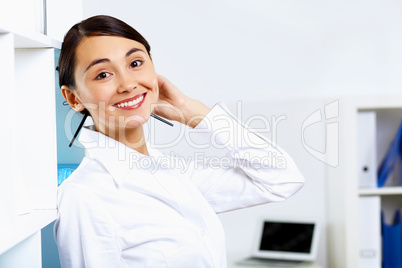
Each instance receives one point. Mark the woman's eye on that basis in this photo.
(136, 63)
(102, 75)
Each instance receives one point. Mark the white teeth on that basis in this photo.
(131, 103)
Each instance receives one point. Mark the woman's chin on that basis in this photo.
(135, 121)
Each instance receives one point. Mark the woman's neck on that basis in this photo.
(131, 137)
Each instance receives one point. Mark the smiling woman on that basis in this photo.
(115, 213)
(111, 73)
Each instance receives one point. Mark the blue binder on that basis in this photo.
(392, 242)
(391, 158)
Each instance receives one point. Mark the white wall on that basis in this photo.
(61, 15)
(259, 51)
(229, 50)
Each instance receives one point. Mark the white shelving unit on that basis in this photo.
(343, 191)
(28, 187)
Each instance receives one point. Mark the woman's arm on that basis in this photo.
(259, 171)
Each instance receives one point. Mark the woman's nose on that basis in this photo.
(127, 82)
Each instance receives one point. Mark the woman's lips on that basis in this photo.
(131, 103)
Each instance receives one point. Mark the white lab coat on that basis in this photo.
(118, 210)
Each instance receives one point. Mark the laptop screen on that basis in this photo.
(287, 237)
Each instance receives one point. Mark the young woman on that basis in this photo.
(115, 212)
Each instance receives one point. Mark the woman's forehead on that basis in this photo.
(99, 47)
(95, 45)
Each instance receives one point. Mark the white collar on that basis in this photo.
(117, 158)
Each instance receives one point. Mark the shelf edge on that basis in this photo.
(381, 191)
(30, 39)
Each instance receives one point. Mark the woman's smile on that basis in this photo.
(131, 103)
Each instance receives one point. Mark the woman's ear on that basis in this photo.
(150, 56)
(72, 98)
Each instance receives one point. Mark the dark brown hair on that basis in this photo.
(94, 26)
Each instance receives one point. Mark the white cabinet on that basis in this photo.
(28, 187)
(28, 184)
(343, 190)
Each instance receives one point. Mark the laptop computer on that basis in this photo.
(284, 243)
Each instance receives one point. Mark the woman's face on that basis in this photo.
(115, 81)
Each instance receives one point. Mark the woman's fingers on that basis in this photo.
(174, 105)
(170, 93)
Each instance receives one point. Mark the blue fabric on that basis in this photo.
(392, 242)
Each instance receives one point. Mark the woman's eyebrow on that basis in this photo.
(133, 50)
(97, 61)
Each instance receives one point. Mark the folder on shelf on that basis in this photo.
(369, 232)
(367, 150)
(392, 242)
(64, 171)
(391, 159)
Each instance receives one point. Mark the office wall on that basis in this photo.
(229, 50)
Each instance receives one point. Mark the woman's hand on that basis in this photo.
(174, 105)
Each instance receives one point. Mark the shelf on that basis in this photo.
(377, 102)
(26, 225)
(381, 191)
(27, 39)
